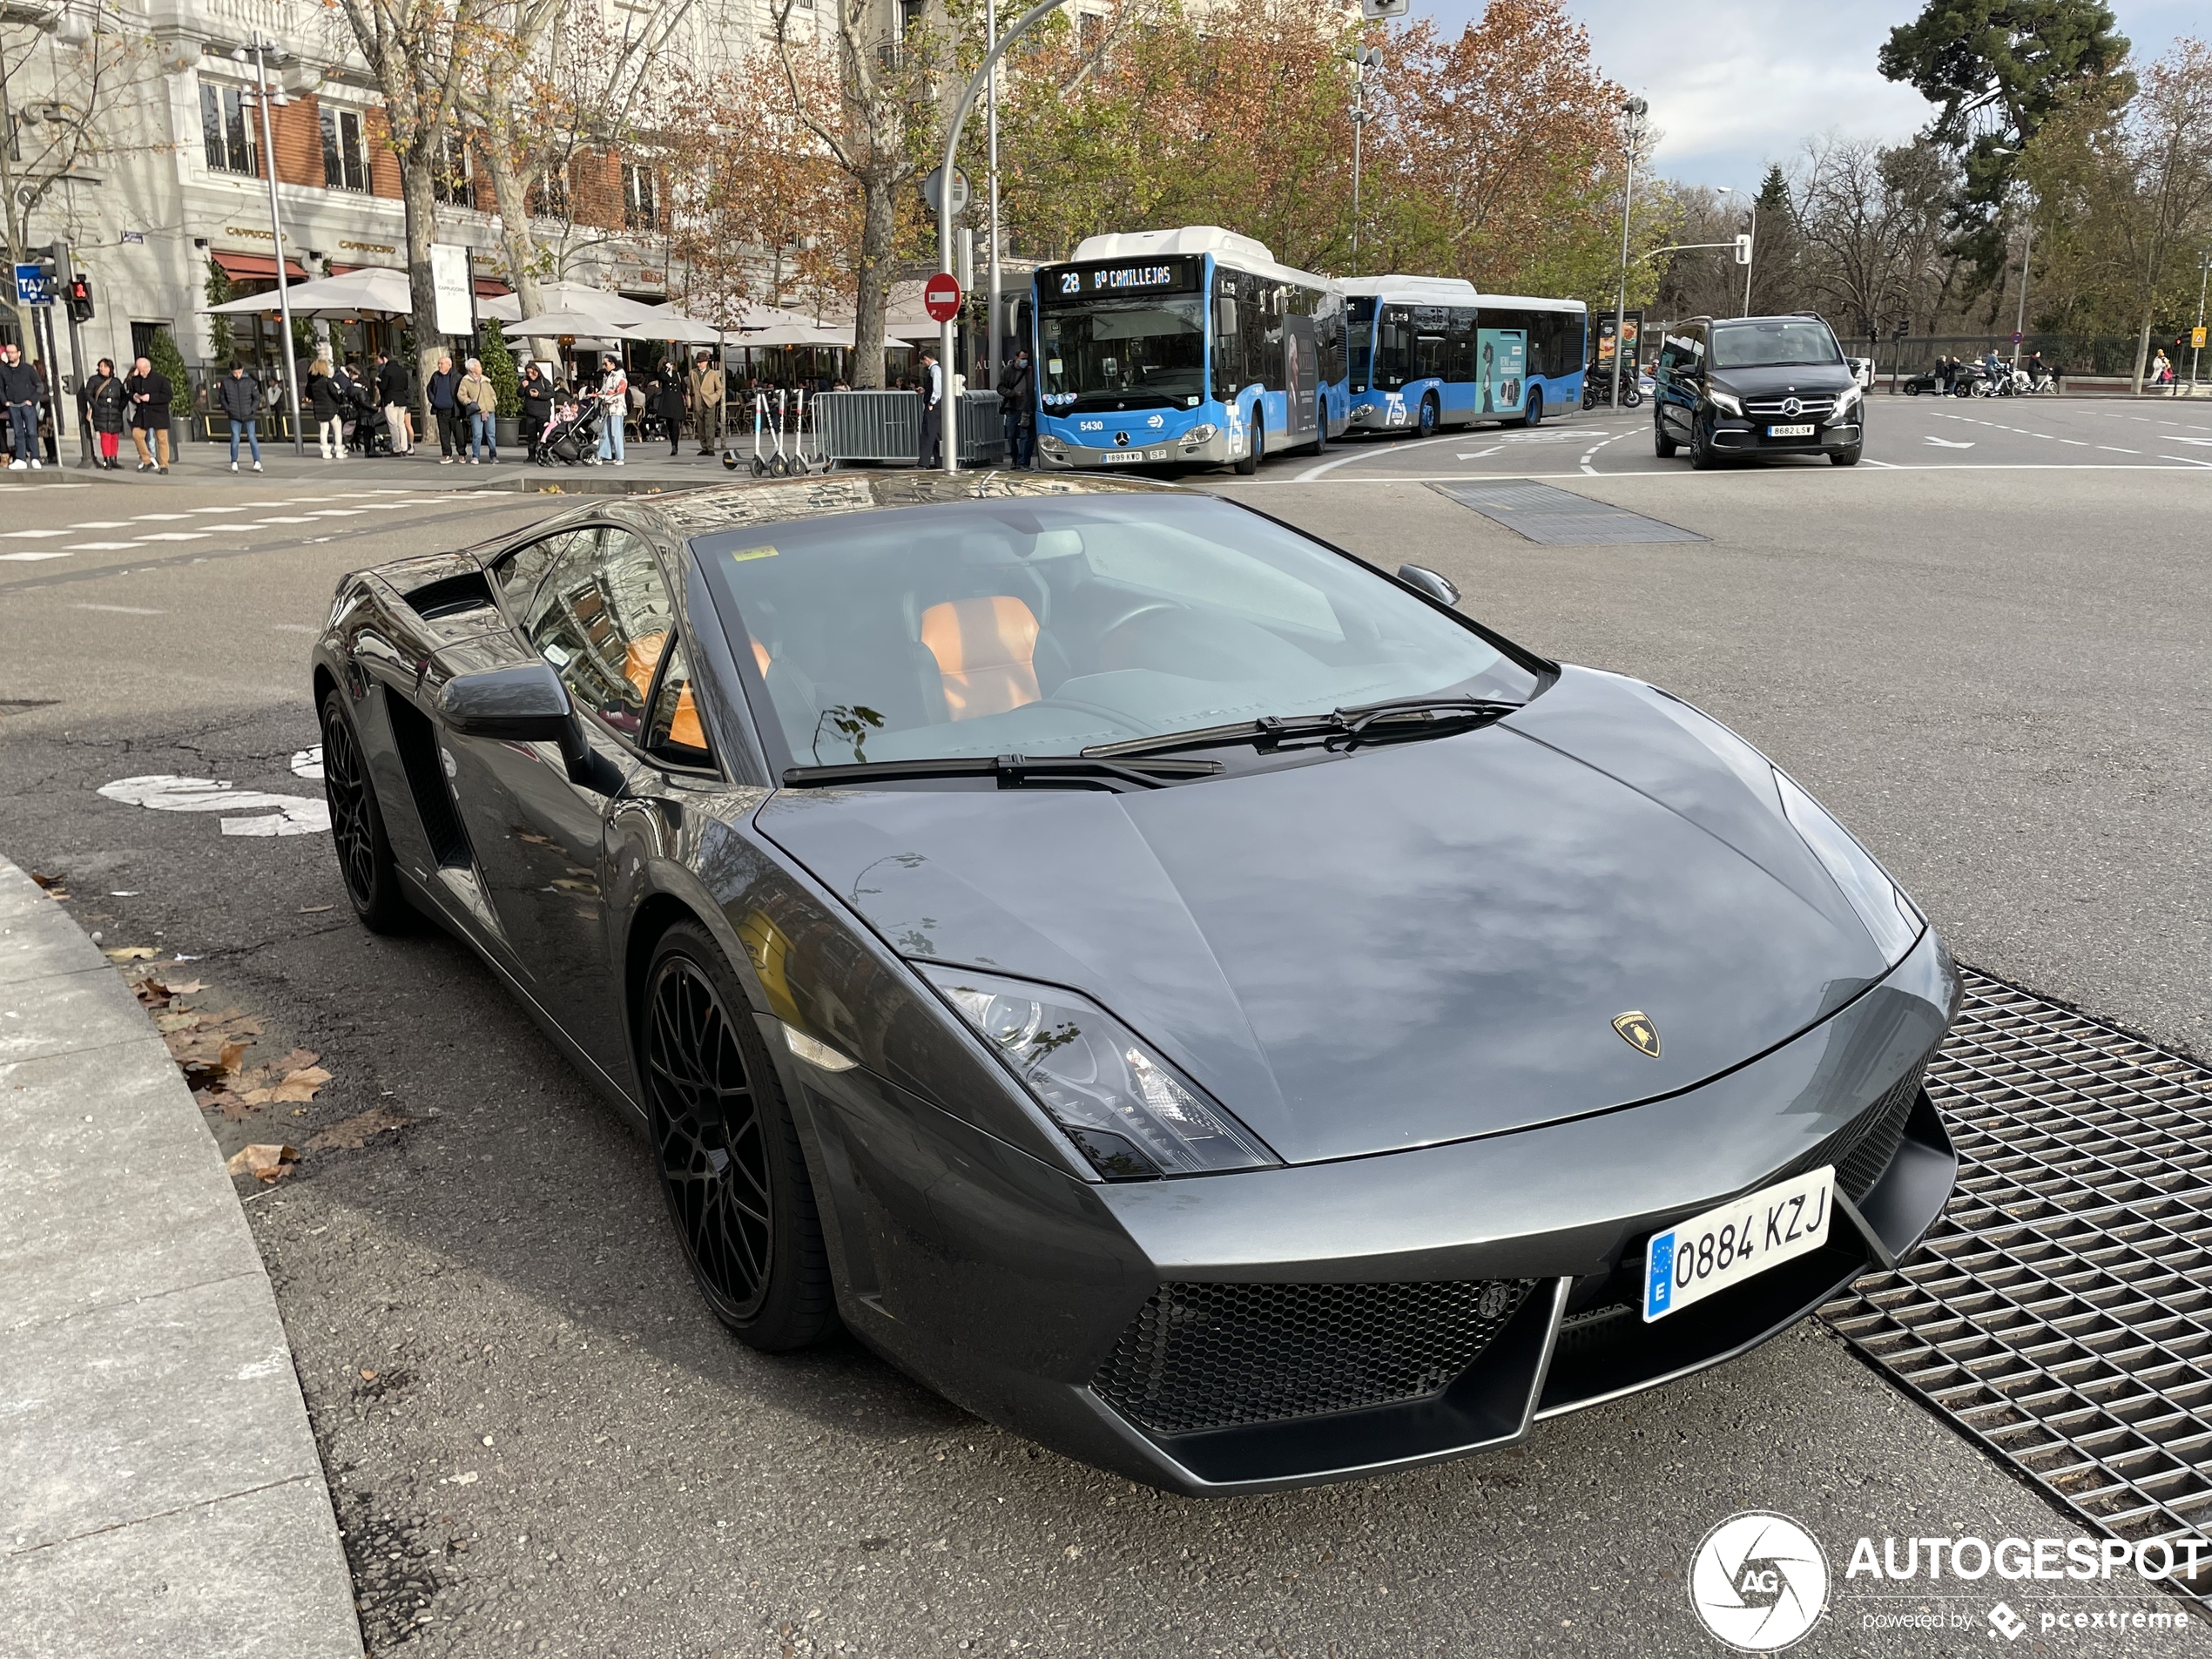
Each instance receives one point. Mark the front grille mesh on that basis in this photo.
(1862, 1149)
(1217, 1356)
(1809, 408)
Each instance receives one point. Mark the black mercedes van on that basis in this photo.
(1755, 386)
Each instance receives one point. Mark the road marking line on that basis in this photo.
(103, 524)
(285, 521)
(127, 611)
(27, 534)
(31, 558)
(101, 547)
(2115, 449)
(1311, 473)
(1478, 454)
(176, 535)
(2083, 443)
(337, 512)
(1886, 466)
(158, 518)
(2186, 460)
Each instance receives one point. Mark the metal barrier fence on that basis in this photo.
(887, 426)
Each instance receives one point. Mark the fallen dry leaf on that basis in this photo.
(236, 1108)
(129, 953)
(298, 1060)
(352, 1133)
(264, 1161)
(180, 1021)
(179, 988)
(49, 882)
(300, 1085)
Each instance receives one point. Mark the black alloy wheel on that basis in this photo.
(1430, 415)
(1662, 445)
(1702, 457)
(731, 1164)
(365, 861)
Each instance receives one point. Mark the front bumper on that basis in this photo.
(1067, 1311)
(1066, 456)
(1748, 436)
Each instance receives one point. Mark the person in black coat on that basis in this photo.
(151, 394)
(395, 388)
(326, 404)
(1017, 408)
(536, 394)
(671, 404)
(238, 395)
(107, 411)
(21, 389)
(445, 408)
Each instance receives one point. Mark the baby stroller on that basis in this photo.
(571, 436)
(372, 429)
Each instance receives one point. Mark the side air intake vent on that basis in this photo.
(417, 742)
(1217, 1356)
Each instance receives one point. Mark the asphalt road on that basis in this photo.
(1998, 678)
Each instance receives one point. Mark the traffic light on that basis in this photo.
(1743, 249)
(80, 298)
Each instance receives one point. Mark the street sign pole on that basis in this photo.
(276, 229)
(65, 272)
(991, 186)
(1634, 110)
(950, 441)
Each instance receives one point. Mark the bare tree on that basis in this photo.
(1871, 222)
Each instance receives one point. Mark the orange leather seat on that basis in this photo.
(985, 652)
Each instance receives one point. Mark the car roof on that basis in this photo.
(698, 512)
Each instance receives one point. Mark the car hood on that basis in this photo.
(1803, 379)
(1414, 944)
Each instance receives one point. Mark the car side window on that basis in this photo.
(602, 616)
(518, 573)
(677, 734)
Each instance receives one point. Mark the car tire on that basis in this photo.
(1847, 457)
(1912, 390)
(1702, 457)
(366, 866)
(1662, 445)
(727, 1151)
(1430, 416)
(1253, 451)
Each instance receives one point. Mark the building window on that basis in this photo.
(640, 199)
(345, 166)
(449, 183)
(223, 112)
(548, 197)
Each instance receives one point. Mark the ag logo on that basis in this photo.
(1758, 1582)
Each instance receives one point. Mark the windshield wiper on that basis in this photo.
(1013, 771)
(1387, 721)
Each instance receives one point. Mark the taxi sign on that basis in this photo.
(940, 298)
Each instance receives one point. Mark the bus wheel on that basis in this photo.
(1429, 416)
(1320, 426)
(1249, 464)
(1535, 407)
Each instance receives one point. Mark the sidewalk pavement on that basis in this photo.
(159, 1489)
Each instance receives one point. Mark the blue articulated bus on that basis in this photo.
(1184, 348)
(1427, 351)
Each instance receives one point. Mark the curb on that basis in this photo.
(161, 1491)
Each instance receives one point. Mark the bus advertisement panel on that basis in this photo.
(1430, 352)
(1188, 347)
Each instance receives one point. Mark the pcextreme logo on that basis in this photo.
(1759, 1581)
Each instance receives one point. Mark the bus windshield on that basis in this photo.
(1123, 353)
(1360, 318)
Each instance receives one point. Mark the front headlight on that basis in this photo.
(1892, 919)
(1128, 1110)
(1726, 402)
(1050, 445)
(1202, 432)
(1846, 406)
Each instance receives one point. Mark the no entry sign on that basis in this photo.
(941, 297)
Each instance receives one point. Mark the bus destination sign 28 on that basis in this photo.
(1151, 276)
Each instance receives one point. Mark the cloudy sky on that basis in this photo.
(1737, 84)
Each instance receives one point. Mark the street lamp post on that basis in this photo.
(264, 54)
(2019, 317)
(1750, 251)
(949, 439)
(1363, 59)
(1632, 135)
(991, 183)
(2203, 276)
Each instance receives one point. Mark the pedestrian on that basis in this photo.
(47, 409)
(2162, 372)
(445, 408)
(707, 401)
(537, 407)
(240, 396)
(932, 410)
(479, 398)
(393, 389)
(151, 394)
(614, 401)
(106, 410)
(673, 407)
(327, 405)
(1017, 408)
(19, 389)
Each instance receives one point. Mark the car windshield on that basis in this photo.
(1772, 344)
(1115, 351)
(1043, 627)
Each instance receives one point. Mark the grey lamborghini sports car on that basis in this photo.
(1182, 993)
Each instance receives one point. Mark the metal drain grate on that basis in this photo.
(1560, 518)
(2062, 1312)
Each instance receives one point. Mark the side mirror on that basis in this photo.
(525, 705)
(1428, 582)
